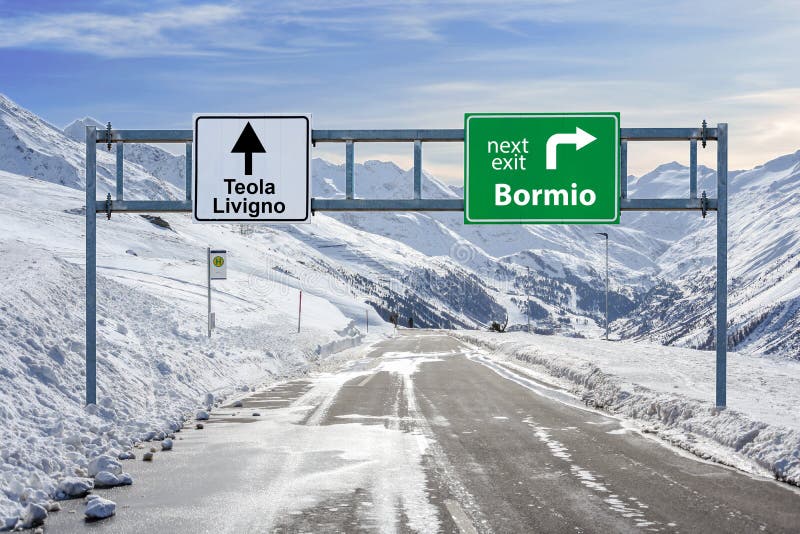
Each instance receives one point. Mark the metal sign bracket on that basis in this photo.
(109, 205)
(703, 204)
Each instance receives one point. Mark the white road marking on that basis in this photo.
(459, 517)
(592, 480)
(541, 389)
(366, 380)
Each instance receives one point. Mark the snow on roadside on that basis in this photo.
(155, 364)
(149, 378)
(670, 392)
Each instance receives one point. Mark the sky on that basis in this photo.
(393, 64)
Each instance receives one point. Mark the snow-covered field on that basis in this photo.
(670, 392)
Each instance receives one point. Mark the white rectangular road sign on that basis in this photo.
(218, 268)
(252, 168)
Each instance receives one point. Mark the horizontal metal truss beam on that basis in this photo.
(387, 136)
(454, 135)
(146, 136)
(398, 136)
(667, 204)
(145, 206)
(370, 204)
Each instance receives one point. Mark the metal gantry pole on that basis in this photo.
(722, 263)
(606, 287)
(528, 306)
(417, 169)
(605, 235)
(120, 170)
(91, 265)
(349, 164)
(623, 168)
(188, 171)
(693, 168)
(208, 279)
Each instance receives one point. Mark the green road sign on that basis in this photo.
(541, 168)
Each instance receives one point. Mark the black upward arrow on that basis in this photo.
(248, 144)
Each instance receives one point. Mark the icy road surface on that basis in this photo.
(423, 435)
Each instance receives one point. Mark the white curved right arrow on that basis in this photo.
(580, 139)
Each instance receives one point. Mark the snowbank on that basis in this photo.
(156, 367)
(670, 392)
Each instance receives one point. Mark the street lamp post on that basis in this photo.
(605, 234)
(528, 305)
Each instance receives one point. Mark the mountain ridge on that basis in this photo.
(663, 258)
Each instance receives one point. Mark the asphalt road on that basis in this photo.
(425, 435)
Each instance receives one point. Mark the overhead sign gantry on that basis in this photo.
(349, 138)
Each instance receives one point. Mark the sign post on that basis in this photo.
(252, 168)
(217, 261)
(541, 168)
(299, 310)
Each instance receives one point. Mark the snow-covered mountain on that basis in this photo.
(32, 147)
(662, 263)
(154, 160)
(448, 274)
(764, 279)
(566, 263)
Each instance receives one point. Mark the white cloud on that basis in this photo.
(150, 33)
(659, 64)
(763, 124)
